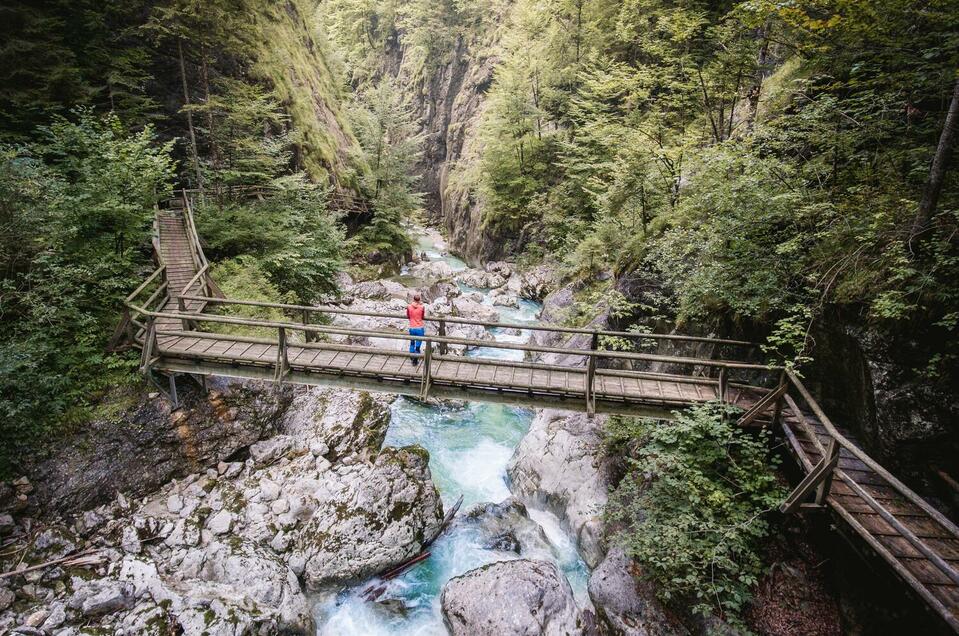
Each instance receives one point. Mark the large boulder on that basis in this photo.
(538, 282)
(480, 279)
(348, 423)
(432, 271)
(506, 527)
(501, 268)
(381, 290)
(560, 464)
(465, 308)
(370, 517)
(521, 597)
(625, 604)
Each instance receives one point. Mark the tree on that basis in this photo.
(940, 163)
(390, 144)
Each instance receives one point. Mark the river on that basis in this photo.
(470, 445)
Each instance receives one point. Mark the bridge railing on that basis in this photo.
(819, 479)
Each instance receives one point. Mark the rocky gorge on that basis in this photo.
(264, 510)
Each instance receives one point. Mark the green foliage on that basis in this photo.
(691, 508)
(764, 160)
(76, 203)
(390, 146)
(296, 241)
(243, 277)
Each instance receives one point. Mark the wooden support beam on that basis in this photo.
(282, 358)
(591, 377)
(757, 409)
(427, 374)
(819, 479)
(822, 490)
(149, 342)
(723, 384)
(310, 335)
(442, 334)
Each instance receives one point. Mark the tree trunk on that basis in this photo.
(189, 117)
(940, 164)
(214, 150)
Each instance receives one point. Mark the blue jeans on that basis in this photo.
(416, 344)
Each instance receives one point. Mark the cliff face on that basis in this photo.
(449, 98)
(293, 56)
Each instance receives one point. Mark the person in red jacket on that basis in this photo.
(416, 312)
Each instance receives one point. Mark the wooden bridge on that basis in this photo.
(179, 320)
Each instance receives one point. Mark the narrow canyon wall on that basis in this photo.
(448, 98)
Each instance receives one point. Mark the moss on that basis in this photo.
(293, 57)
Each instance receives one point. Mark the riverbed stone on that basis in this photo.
(465, 308)
(560, 464)
(520, 597)
(625, 603)
(506, 527)
(220, 523)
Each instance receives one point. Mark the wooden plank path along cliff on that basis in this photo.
(170, 318)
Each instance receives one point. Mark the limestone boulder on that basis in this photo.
(521, 597)
(370, 516)
(560, 464)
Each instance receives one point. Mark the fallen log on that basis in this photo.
(76, 559)
(374, 591)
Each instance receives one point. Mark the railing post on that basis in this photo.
(832, 453)
(149, 340)
(591, 376)
(442, 334)
(181, 306)
(427, 373)
(778, 410)
(309, 335)
(723, 384)
(282, 359)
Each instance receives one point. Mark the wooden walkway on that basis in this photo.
(919, 543)
(449, 376)
(167, 319)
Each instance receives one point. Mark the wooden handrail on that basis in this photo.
(842, 440)
(143, 285)
(466, 321)
(201, 317)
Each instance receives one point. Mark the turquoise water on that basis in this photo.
(470, 445)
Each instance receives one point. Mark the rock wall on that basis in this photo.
(137, 449)
(448, 99)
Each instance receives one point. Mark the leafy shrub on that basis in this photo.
(691, 507)
(74, 203)
(243, 278)
(298, 243)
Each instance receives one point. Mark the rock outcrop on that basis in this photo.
(153, 444)
(521, 597)
(224, 551)
(561, 465)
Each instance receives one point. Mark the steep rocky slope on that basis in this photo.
(448, 99)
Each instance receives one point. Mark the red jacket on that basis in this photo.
(415, 313)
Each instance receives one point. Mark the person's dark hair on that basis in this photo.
(416, 297)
